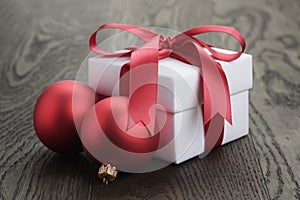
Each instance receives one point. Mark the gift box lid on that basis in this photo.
(178, 82)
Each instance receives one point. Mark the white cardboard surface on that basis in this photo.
(178, 82)
(187, 127)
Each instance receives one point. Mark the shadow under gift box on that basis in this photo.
(180, 96)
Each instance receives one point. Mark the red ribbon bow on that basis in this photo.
(144, 79)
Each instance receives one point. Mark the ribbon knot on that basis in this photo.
(185, 47)
(166, 43)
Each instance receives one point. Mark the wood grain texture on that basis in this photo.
(42, 42)
(272, 32)
(225, 174)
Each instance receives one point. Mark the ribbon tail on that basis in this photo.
(228, 114)
(143, 84)
(216, 98)
(217, 105)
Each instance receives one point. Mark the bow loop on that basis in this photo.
(142, 33)
(219, 29)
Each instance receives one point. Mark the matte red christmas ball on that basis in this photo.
(108, 139)
(59, 110)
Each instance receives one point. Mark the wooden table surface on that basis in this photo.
(42, 42)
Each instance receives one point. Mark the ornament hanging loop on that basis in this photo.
(107, 173)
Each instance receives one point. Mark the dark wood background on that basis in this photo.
(42, 42)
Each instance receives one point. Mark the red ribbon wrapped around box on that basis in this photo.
(184, 47)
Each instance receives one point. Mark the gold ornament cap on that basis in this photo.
(107, 173)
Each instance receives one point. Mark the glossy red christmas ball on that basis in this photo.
(106, 136)
(59, 111)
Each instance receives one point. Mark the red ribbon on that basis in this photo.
(144, 78)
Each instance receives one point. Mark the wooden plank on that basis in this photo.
(272, 32)
(37, 48)
(229, 172)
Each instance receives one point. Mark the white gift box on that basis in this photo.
(178, 93)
